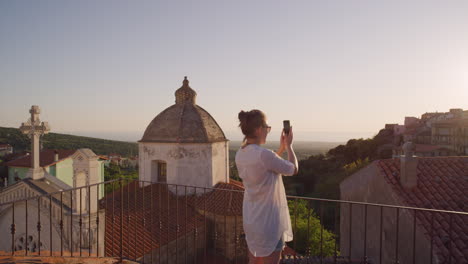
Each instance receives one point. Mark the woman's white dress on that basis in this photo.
(265, 209)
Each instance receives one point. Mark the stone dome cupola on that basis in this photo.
(184, 122)
(184, 145)
(185, 94)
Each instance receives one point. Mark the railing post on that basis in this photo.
(97, 220)
(50, 224)
(185, 231)
(195, 201)
(13, 230)
(321, 231)
(39, 223)
(80, 222)
(167, 225)
(61, 224)
(432, 236)
(26, 238)
(135, 220)
(121, 219)
(144, 218)
(71, 224)
(89, 220)
(113, 218)
(336, 219)
(414, 236)
(204, 216)
(397, 235)
(451, 239)
(365, 234)
(308, 246)
(160, 220)
(151, 220)
(350, 228)
(295, 228)
(381, 231)
(177, 225)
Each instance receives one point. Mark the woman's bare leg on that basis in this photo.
(273, 258)
(254, 260)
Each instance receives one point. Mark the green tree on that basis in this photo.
(113, 172)
(309, 235)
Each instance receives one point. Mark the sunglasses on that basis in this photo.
(268, 128)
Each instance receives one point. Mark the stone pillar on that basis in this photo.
(34, 128)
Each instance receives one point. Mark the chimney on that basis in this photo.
(56, 156)
(408, 167)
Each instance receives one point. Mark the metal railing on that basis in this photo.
(164, 223)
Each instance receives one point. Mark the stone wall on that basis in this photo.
(368, 185)
(26, 229)
(182, 250)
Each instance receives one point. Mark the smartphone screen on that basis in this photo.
(286, 126)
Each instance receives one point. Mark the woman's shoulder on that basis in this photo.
(250, 150)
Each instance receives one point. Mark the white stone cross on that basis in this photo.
(34, 128)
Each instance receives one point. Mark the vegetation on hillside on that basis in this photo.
(309, 232)
(113, 172)
(21, 142)
(320, 175)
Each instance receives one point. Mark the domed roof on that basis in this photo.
(184, 122)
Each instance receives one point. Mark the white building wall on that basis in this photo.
(191, 164)
(220, 157)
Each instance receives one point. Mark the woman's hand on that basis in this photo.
(282, 146)
(287, 138)
(285, 141)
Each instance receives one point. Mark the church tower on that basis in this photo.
(184, 145)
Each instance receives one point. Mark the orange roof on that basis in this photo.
(226, 199)
(46, 158)
(442, 184)
(152, 216)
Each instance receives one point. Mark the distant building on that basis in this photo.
(435, 183)
(5, 149)
(57, 163)
(452, 134)
(448, 131)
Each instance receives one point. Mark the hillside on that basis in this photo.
(303, 149)
(21, 142)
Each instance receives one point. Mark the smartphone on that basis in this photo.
(286, 126)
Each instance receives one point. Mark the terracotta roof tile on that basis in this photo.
(226, 199)
(152, 216)
(47, 158)
(442, 184)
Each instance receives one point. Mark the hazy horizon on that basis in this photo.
(135, 136)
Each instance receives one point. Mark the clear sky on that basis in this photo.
(336, 69)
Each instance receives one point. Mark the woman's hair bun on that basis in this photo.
(251, 120)
(242, 116)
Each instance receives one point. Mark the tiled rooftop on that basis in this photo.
(221, 202)
(144, 209)
(47, 158)
(161, 208)
(442, 184)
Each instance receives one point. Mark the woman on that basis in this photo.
(266, 220)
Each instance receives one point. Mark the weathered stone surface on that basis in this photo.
(184, 122)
